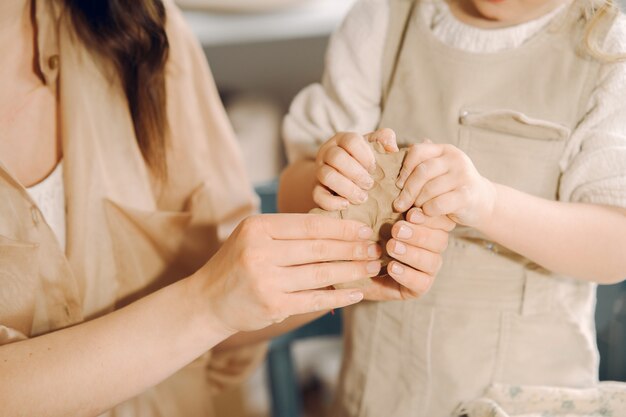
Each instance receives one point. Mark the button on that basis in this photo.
(53, 62)
(34, 213)
(463, 116)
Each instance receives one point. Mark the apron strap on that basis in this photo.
(399, 17)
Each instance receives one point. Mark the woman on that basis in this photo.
(111, 130)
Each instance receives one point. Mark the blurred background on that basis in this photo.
(262, 52)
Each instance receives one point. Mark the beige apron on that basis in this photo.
(491, 316)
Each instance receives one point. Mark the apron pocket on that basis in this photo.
(549, 350)
(513, 149)
(148, 247)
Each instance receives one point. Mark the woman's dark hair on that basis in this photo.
(131, 34)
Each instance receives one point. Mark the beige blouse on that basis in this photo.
(127, 235)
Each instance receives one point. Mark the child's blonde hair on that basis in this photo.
(596, 12)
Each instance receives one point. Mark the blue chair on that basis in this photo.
(611, 327)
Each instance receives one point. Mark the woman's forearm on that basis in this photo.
(249, 338)
(295, 193)
(87, 369)
(584, 241)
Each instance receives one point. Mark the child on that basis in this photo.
(524, 104)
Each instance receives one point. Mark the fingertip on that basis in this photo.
(373, 268)
(400, 205)
(416, 216)
(365, 232)
(355, 297)
(395, 268)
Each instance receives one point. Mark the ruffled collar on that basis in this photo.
(451, 31)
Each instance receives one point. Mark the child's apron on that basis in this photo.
(492, 316)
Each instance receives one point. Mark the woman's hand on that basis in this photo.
(417, 245)
(276, 266)
(344, 166)
(442, 180)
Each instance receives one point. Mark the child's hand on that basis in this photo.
(442, 180)
(344, 164)
(417, 245)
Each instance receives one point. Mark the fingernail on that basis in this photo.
(404, 232)
(372, 168)
(401, 205)
(365, 232)
(369, 182)
(417, 216)
(399, 248)
(397, 269)
(373, 251)
(356, 296)
(373, 267)
(361, 196)
(344, 204)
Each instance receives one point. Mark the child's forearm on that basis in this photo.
(295, 192)
(584, 241)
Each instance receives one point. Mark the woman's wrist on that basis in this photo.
(209, 327)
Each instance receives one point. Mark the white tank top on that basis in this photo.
(49, 195)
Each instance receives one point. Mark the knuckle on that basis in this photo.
(250, 258)
(313, 225)
(316, 303)
(348, 231)
(322, 276)
(435, 264)
(250, 226)
(436, 206)
(334, 154)
(359, 251)
(422, 237)
(319, 250)
(325, 174)
(348, 139)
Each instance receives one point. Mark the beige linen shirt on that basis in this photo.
(127, 234)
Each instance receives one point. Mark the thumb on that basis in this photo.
(385, 137)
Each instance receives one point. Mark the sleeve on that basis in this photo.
(206, 174)
(594, 168)
(348, 98)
